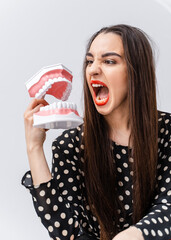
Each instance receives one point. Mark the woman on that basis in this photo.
(111, 176)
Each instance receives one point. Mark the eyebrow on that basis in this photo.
(105, 54)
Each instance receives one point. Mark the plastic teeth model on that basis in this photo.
(57, 115)
(55, 80)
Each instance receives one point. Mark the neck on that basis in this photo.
(118, 125)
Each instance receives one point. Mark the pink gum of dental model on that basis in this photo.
(58, 89)
(61, 111)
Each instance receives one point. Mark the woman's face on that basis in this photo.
(106, 73)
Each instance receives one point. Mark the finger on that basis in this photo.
(36, 109)
(36, 102)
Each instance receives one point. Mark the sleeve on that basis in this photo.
(57, 202)
(157, 223)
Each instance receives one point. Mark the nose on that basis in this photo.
(94, 69)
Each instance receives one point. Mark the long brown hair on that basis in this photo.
(99, 164)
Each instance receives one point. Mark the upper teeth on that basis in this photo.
(59, 105)
(48, 84)
(97, 85)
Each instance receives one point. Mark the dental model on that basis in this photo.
(55, 80)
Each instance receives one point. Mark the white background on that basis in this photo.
(38, 33)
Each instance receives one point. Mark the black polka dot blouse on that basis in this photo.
(62, 205)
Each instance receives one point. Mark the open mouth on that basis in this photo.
(101, 92)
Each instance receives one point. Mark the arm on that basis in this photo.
(35, 138)
(58, 211)
(157, 223)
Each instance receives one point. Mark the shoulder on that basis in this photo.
(70, 139)
(164, 133)
(164, 120)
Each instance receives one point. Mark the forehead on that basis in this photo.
(107, 42)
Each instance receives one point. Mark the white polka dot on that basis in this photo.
(61, 142)
(121, 198)
(50, 229)
(154, 220)
(72, 237)
(169, 193)
(74, 188)
(61, 184)
(162, 189)
(63, 215)
(165, 208)
(127, 192)
(48, 201)
(119, 169)
(70, 198)
(42, 193)
(126, 179)
(147, 222)
(77, 150)
(70, 221)
(61, 163)
(53, 191)
(40, 208)
(126, 207)
(123, 151)
(70, 145)
(165, 168)
(56, 155)
(55, 208)
(66, 151)
(153, 233)
(58, 176)
(118, 156)
(131, 159)
(166, 231)
(160, 220)
(65, 192)
(162, 130)
(164, 201)
(57, 224)
(76, 224)
(47, 216)
(167, 180)
(82, 146)
(66, 171)
(166, 219)
(145, 231)
(159, 233)
(60, 199)
(120, 183)
(70, 180)
(125, 165)
(49, 184)
(53, 147)
(159, 177)
(77, 138)
(66, 135)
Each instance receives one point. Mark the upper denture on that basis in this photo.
(59, 79)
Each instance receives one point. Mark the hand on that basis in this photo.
(35, 137)
(131, 233)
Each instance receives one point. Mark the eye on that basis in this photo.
(89, 62)
(109, 61)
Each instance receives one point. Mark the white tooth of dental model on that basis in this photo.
(55, 80)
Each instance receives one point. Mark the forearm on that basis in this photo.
(38, 165)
